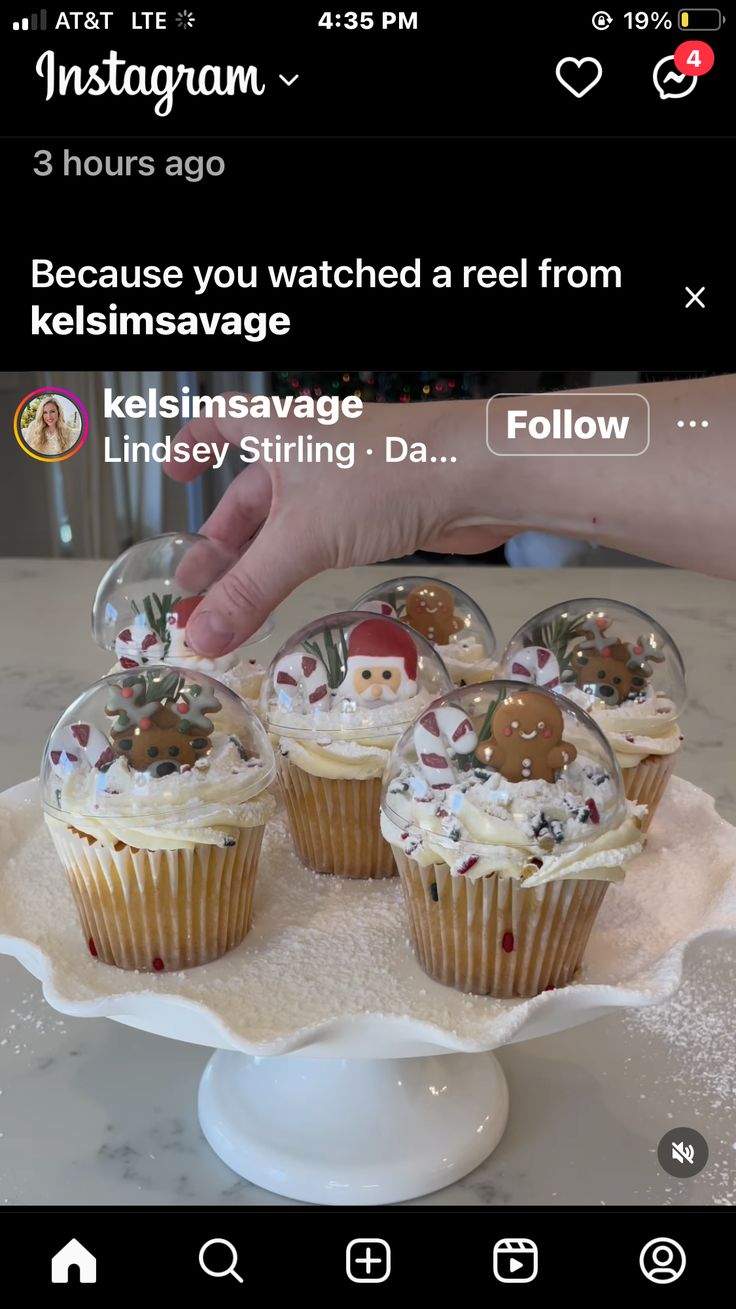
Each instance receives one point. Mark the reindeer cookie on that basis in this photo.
(614, 670)
(526, 743)
(430, 609)
(161, 725)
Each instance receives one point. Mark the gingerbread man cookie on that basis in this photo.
(430, 609)
(161, 727)
(526, 743)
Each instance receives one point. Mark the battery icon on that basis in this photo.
(699, 20)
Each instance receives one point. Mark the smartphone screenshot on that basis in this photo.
(367, 800)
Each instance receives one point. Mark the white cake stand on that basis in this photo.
(342, 1074)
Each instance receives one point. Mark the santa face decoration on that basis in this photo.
(381, 664)
(373, 682)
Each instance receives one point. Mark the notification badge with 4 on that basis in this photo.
(676, 76)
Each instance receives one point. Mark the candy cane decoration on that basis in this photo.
(300, 681)
(139, 644)
(439, 735)
(537, 664)
(76, 744)
(378, 607)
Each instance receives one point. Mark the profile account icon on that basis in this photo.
(662, 1260)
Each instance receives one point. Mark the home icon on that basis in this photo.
(74, 1255)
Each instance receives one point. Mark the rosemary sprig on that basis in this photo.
(167, 688)
(487, 727)
(158, 617)
(334, 657)
(468, 760)
(559, 636)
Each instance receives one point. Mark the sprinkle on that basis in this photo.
(593, 807)
(469, 863)
(158, 965)
(92, 948)
(508, 942)
(434, 892)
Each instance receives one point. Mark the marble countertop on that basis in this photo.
(92, 1112)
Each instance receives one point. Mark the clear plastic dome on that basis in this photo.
(600, 648)
(486, 759)
(437, 609)
(125, 742)
(147, 596)
(353, 675)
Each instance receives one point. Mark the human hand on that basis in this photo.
(290, 521)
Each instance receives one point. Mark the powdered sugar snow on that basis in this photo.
(328, 957)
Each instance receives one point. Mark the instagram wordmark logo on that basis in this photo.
(115, 76)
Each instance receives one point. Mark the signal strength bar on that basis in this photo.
(36, 23)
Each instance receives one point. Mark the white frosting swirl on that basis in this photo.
(243, 676)
(343, 740)
(535, 831)
(634, 728)
(204, 805)
(336, 759)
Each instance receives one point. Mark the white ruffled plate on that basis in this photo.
(327, 968)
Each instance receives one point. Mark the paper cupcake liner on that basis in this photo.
(646, 782)
(336, 823)
(493, 936)
(161, 909)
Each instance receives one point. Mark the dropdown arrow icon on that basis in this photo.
(288, 81)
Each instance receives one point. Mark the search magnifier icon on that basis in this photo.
(231, 1270)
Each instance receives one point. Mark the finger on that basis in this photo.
(470, 540)
(199, 433)
(204, 562)
(214, 432)
(277, 561)
(233, 523)
(243, 509)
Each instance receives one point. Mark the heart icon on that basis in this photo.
(577, 79)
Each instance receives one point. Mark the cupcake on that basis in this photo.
(505, 811)
(146, 598)
(337, 697)
(623, 669)
(454, 624)
(157, 815)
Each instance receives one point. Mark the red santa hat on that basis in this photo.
(389, 644)
(183, 609)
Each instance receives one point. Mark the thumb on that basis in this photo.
(244, 598)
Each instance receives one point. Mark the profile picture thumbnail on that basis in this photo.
(51, 425)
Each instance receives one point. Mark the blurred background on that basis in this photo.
(87, 508)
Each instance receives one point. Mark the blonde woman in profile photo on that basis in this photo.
(49, 433)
